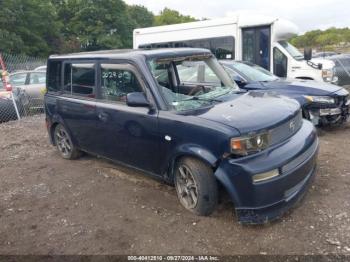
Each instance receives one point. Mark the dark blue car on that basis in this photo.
(134, 108)
(322, 103)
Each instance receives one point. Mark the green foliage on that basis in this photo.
(168, 17)
(39, 28)
(101, 24)
(322, 39)
(141, 16)
(29, 26)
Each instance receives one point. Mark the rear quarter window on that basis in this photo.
(79, 79)
(54, 76)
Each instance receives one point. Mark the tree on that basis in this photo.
(29, 27)
(100, 24)
(321, 39)
(168, 17)
(39, 28)
(140, 15)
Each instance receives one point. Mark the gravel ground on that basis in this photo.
(90, 206)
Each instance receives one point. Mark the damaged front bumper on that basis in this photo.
(257, 203)
(329, 115)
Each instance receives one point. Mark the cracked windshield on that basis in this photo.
(189, 83)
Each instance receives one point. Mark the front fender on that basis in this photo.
(192, 150)
(301, 100)
(221, 176)
(198, 152)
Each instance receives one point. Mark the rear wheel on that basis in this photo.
(196, 186)
(64, 143)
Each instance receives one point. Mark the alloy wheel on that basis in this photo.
(186, 187)
(63, 141)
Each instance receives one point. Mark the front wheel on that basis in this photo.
(196, 186)
(64, 143)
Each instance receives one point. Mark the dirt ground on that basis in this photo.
(90, 206)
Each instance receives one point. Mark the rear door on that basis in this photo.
(36, 89)
(256, 45)
(77, 105)
(36, 84)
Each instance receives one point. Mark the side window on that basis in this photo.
(196, 73)
(118, 81)
(248, 45)
(37, 78)
(18, 79)
(54, 75)
(234, 75)
(221, 47)
(161, 73)
(79, 79)
(279, 63)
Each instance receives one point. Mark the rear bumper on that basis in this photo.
(257, 203)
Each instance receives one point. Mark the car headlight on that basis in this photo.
(250, 144)
(320, 99)
(327, 75)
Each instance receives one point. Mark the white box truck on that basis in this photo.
(258, 39)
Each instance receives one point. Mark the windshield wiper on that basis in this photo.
(196, 98)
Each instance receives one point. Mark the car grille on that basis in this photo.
(287, 129)
(300, 159)
(341, 100)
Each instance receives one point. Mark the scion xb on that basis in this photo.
(131, 107)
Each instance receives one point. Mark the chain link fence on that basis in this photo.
(22, 87)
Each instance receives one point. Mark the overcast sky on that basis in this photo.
(307, 14)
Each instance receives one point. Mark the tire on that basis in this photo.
(64, 143)
(196, 186)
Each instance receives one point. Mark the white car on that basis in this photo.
(40, 68)
(33, 83)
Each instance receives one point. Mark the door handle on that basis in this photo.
(103, 116)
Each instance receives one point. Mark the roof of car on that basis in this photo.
(129, 53)
(228, 62)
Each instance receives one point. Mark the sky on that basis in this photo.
(306, 14)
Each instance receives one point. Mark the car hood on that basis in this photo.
(252, 111)
(299, 86)
(325, 62)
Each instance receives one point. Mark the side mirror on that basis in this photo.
(239, 81)
(307, 53)
(137, 99)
